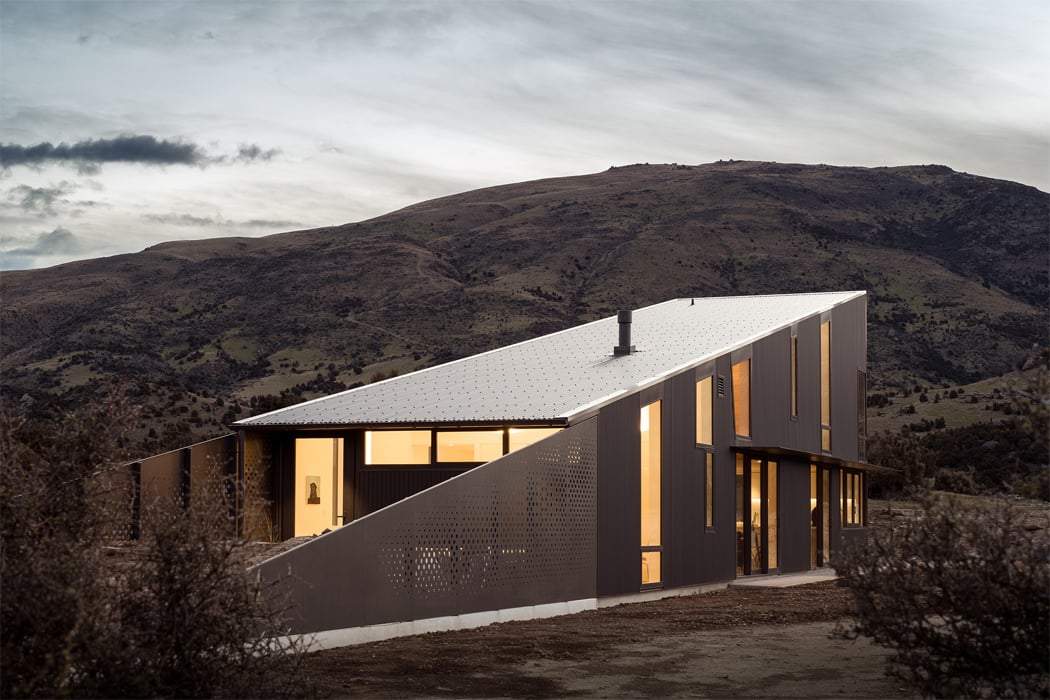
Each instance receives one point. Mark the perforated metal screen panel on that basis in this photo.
(514, 532)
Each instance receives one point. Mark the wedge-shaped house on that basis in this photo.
(655, 452)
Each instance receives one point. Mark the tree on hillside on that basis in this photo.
(87, 614)
(961, 594)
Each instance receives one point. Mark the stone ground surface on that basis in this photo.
(741, 642)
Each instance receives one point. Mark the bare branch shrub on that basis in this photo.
(962, 594)
(84, 615)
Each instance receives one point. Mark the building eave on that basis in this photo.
(812, 458)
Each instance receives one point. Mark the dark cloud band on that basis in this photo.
(142, 149)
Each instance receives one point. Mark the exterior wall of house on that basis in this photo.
(691, 552)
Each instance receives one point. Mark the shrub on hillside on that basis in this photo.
(961, 593)
(85, 614)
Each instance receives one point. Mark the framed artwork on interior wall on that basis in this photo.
(313, 490)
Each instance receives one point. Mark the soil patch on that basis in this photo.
(737, 642)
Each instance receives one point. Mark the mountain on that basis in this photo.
(956, 266)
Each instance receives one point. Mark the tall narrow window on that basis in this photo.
(742, 398)
(709, 490)
(704, 411)
(772, 504)
(794, 376)
(852, 488)
(825, 386)
(650, 483)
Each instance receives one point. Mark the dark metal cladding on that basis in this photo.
(519, 531)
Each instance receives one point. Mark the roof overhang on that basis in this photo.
(803, 456)
(416, 425)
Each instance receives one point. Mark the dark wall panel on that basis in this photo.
(718, 562)
(807, 430)
(683, 504)
(771, 389)
(376, 488)
(619, 493)
(848, 343)
(794, 516)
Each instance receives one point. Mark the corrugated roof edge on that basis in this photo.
(575, 413)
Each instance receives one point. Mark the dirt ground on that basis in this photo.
(739, 642)
(734, 643)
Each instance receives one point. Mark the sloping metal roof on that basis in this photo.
(562, 375)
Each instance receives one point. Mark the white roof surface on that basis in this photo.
(558, 376)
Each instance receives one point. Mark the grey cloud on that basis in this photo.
(190, 220)
(39, 200)
(251, 152)
(88, 155)
(123, 149)
(47, 201)
(26, 249)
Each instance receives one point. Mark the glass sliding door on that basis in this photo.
(757, 509)
(820, 516)
(318, 485)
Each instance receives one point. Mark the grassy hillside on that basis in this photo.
(955, 266)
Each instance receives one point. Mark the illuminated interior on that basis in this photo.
(704, 412)
(413, 447)
(742, 398)
(771, 519)
(756, 515)
(518, 438)
(825, 386)
(756, 534)
(709, 490)
(397, 447)
(852, 488)
(650, 491)
(318, 485)
(469, 445)
(814, 518)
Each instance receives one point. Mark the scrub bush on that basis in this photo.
(84, 613)
(961, 593)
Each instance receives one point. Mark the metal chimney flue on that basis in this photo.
(625, 347)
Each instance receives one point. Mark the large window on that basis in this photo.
(469, 445)
(704, 411)
(523, 437)
(406, 448)
(742, 398)
(851, 485)
(825, 386)
(397, 447)
(650, 492)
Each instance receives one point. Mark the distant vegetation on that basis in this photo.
(989, 437)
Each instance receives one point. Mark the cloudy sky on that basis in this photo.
(124, 124)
